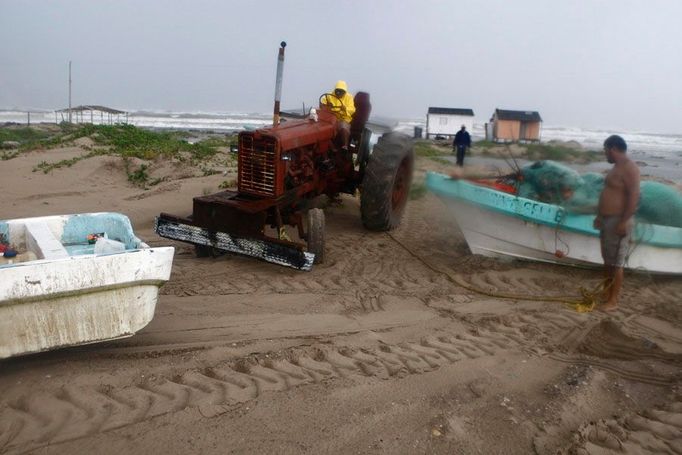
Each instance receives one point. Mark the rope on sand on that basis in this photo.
(586, 302)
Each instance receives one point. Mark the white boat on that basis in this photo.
(496, 223)
(64, 289)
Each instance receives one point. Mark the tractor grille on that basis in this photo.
(257, 165)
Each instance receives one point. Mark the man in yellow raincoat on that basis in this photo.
(343, 107)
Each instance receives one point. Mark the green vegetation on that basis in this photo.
(138, 177)
(28, 139)
(434, 153)
(224, 141)
(22, 135)
(8, 155)
(122, 140)
(537, 152)
(440, 160)
(130, 141)
(125, 141)
(417, 190)
(47, 167)
(226, 184)
(484, 144)
(428, 150)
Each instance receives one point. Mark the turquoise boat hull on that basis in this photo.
(495, 223)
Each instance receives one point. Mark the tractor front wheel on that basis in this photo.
(386, 183)
(315, 218)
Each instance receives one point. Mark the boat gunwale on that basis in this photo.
(567, 220)
(153, 265)
(80, 257)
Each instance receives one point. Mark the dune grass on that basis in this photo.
(46, 167)
(537, 152)
(133, 142)
(27, 138)
(22, 135)
(426, 149)
(484, 144)
(123, 140)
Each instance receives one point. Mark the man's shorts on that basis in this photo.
(614, 248)
(341, 125)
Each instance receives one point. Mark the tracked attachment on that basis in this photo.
(277, 252)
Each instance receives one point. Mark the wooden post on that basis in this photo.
(28, 120)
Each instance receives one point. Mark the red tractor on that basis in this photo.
(281, 170)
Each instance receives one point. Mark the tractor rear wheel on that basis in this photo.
(386, 183)
(315, 218)
(363, 150)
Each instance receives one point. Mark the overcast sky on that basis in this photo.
(609, 64)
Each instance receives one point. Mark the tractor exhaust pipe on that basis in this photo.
(278, 83)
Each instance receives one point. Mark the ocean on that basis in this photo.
(642, 145)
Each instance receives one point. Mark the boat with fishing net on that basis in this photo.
(67, 280)
(546, 212)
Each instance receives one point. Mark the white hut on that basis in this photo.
(446, 121)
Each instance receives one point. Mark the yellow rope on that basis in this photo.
(588, 300)
(282, 234)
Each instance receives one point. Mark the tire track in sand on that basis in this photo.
(37, 419)
(41, 418)
(655, 430)
(352, 264)
(588, 340)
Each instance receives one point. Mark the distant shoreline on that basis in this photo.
(643, 145)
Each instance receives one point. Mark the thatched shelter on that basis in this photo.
(92, 114)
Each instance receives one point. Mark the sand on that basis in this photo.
(376, 351)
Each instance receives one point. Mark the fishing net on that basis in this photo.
(548, 181)
(660, 204)
(554, 183)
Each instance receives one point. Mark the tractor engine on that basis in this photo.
(297, 156)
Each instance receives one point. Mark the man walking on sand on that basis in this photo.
(615, 216)
(460, 144)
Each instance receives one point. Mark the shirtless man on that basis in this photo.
(615, 217)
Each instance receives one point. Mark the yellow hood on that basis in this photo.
(342, 85)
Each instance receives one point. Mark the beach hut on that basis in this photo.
(515, 126)
(92, 114)
(446, 121)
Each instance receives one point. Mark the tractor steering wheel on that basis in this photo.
(332, 107)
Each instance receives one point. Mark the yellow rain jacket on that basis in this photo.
(343, 107)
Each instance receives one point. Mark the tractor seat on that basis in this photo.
(362, 110)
